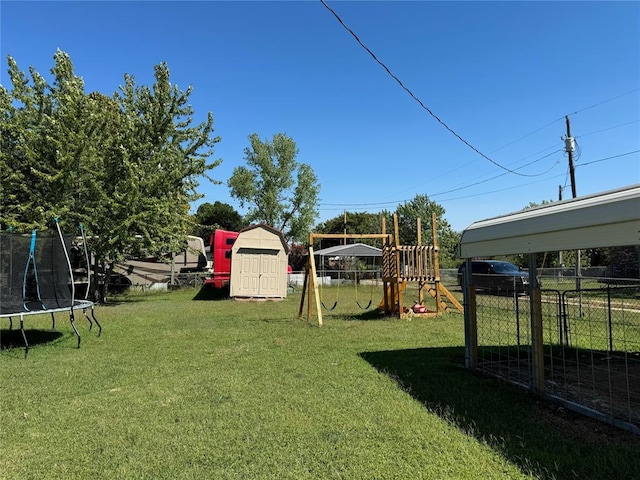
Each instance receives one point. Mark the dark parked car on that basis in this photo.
(497, 276)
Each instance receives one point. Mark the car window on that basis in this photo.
(505, 268)
(480, 267)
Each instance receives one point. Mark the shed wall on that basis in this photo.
(259, 265)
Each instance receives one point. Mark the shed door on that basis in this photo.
(259, 272)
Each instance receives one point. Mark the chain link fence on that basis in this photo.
(590, 344)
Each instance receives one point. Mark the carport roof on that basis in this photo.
(350, 250)
(605, 219)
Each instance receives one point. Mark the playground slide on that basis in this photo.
(398, 291)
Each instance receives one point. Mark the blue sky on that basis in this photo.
(502, 75)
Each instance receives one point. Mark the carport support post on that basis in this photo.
(537, 342)
(470, 319)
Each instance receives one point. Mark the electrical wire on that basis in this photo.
(578, 151)
(574, 113)
(605, 101)
(527, 135)
(411, 94)
(608, 128)
(498, 176)
(394, 203)
(608, 158)
(499, 190)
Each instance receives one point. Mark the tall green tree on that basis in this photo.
(423, 208)
(210, 217)
(125, 166)
(153, 177)
(278, 190)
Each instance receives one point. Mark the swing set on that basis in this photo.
(400, 264)
(338, 262)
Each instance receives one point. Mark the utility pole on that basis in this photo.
(570, 146)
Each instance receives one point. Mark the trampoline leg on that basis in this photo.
(84, 311)
(24, 337)
(73, 325)
(10, 323)
(96, 320)
(53, 321)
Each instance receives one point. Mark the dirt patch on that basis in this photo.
(575, 425)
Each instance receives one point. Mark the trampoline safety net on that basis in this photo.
(34, 274)
(35, 277)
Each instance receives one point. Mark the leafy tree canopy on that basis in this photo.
(278, 190)
(125, 166)
(423, 208)
(210, 217)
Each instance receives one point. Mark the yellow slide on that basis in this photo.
(393, 301)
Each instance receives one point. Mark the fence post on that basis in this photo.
(609, 318)
(470, 318)
(537, 341)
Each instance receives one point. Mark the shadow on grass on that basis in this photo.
(121, 299)
(541, 438)
(12, 339)
(367, 315)
(208, 292)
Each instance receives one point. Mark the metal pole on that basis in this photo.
(569, 147)
(560, 262)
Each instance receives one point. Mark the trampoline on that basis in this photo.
(36, 278)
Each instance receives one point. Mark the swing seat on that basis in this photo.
(335, 304)
(367, 306)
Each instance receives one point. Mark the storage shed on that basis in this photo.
(259, 261)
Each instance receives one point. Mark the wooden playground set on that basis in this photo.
(401, 264)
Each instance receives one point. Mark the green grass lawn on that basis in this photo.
(180, 388)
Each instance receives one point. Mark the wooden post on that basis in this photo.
(436, 261)
(398, 293)
(304, 288)
(421, 267)
(316, 294)
(385, 284)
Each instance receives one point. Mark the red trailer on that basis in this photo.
(221, 243)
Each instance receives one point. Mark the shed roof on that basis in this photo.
(605, 219)
(271, 229)
(350, 250)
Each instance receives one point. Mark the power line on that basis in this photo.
(498, 176)
(608, 128)
(608, 158)
(373, 55)
(499, 190)
(397, 202)
(574, 113)
(466, 185)
(527, 135)
(605, 101)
